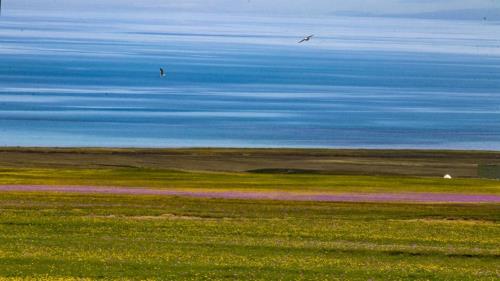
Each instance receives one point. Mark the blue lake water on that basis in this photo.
(243, 81)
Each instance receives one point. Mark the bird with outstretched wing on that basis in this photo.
(306, 38)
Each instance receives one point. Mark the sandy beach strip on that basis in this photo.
(264, 195)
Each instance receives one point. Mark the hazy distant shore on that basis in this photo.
(469, 164)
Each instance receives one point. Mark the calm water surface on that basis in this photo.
(242, 81)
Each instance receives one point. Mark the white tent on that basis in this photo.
(447, 176)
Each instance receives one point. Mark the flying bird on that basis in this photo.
(162, 72)
(306, 38)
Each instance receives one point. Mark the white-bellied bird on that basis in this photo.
(162, 72)
(306, 38)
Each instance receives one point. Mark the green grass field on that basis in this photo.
(134, 177)
(51, 236)
(57, 236)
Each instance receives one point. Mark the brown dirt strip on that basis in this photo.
(274, 195)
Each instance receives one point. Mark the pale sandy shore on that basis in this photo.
(272, 195)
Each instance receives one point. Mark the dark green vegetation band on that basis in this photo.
(489, 171)
(315, 161)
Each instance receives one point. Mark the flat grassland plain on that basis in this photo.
(69, 236)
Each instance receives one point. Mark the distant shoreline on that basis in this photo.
(137, 148)
(407, 162)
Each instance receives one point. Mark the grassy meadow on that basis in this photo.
(75, 237)
(171, 179)
(58, 236)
